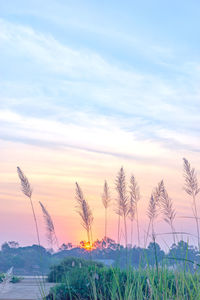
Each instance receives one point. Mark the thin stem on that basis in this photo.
(138, 229)
(145, 244)
(196, 218)
(91, 235)
(57, 244)
(88, 235)
(125, 230)
(118, 230)
(35, 220)
(173, 231)
(106, 223)
(155, 251)
(131, 233)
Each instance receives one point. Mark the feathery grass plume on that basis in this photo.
(133, 206)
(192, 189)
(4, 287)
(25, 185)
(152, 209)
(51, 234)
(191, 182)
(167, 209)
(85, 212)
(152, 214)
(122, 201)
(158, 192)
(27, 190)
(106, 202)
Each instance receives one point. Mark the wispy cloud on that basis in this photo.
(94, 134)
(139, 107)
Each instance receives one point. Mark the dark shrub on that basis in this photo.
(59, 272)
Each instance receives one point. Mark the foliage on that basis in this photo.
(14, 279)
(1, 277)
(93, 282)
(58, 272)
(36, 260)
(31, 260)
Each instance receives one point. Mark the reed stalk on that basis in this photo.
(84, 212)
(191, 187)
(169, 213)
(133, 206)
(51, 234)
(106, 200)
(122, 201)
(27, 190)
(152, 214)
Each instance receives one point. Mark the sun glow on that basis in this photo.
(87, 245)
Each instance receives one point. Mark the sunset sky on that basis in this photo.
(85, 88)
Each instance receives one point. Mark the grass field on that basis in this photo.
(94, 281)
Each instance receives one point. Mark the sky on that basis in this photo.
(85, 88)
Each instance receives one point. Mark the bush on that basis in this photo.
(59, 272)
(104, 283)
(1, 277)
(14, 279)
(93, 282)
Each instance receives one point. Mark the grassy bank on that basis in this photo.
(86, 280)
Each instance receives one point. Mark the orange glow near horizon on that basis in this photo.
(87, 246)
(53, 173)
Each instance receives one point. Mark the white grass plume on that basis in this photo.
(106, 200)
(122, 201)
(191, 187)
(27, 190)
(133, 205)
(169, 213)
(51, 235)
(191, 183)
(25, 185)
(84, 211)
(152, 214)
(152, 208)
(158, 192)
(5, 285)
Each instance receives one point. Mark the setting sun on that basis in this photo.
(87, 246)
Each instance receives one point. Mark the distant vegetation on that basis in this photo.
(34, 260)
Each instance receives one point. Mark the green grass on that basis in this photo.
(101, 283)
(14, 279)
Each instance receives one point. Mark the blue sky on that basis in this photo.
(130, 60)
(108, 77)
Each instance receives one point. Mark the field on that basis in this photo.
(97, 282)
